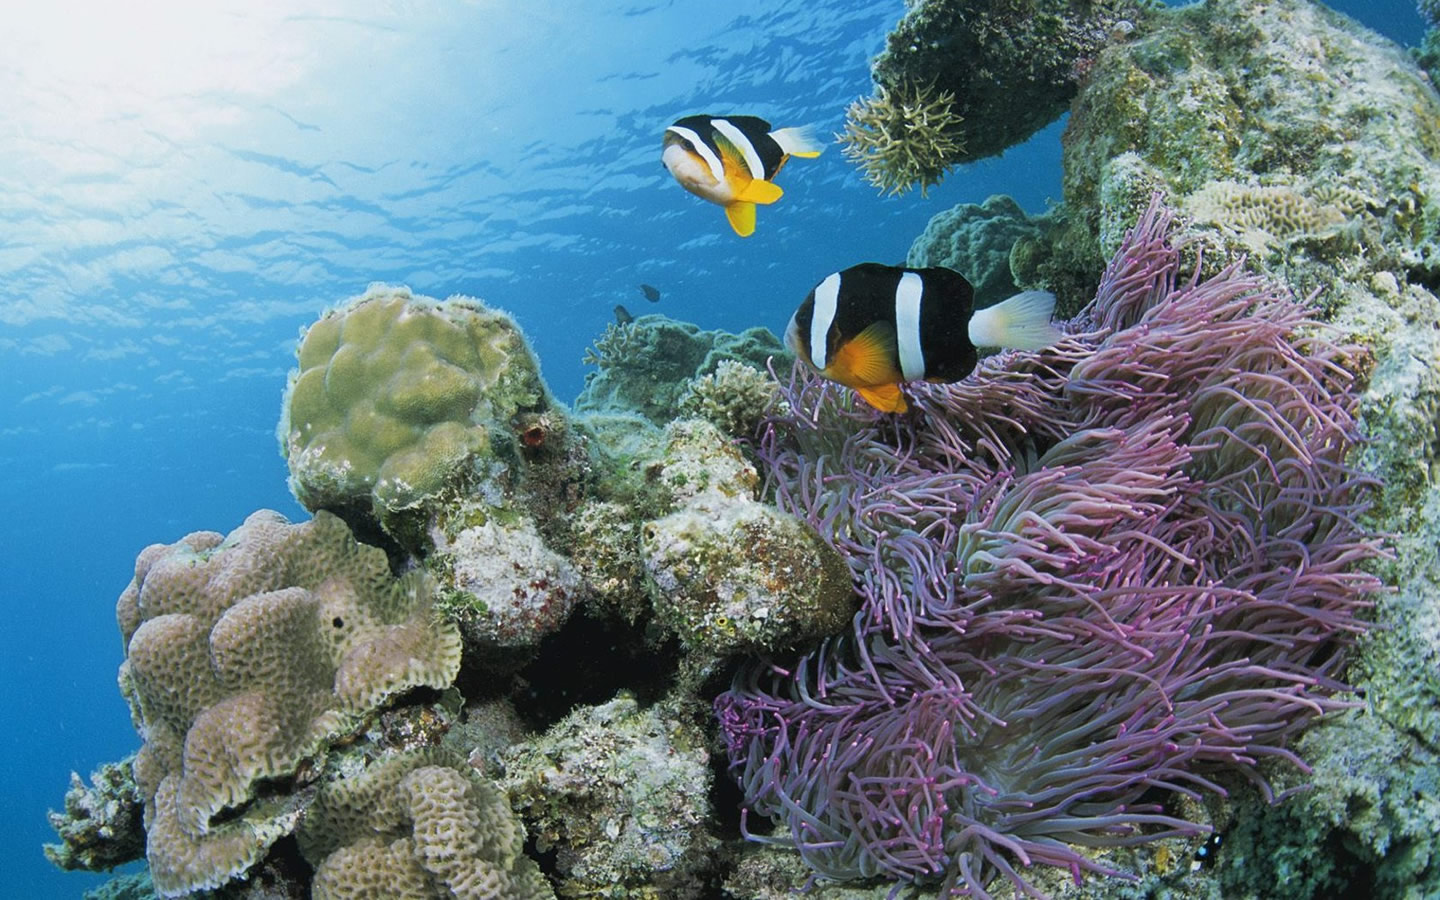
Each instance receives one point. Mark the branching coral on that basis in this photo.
(1091, 576)
(903, 138)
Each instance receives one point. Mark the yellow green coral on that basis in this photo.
(395, 394)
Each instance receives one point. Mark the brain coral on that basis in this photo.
(395, 395)
(246, 655)
(419, 825)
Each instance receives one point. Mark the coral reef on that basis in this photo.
(422, 825)
(730, 573)
(1093, 576)
(734, 398)
(645, 367)
(102, 826)
(398, 400)
(977, 241)
(961, 80)
(903, 138)
(622, 796)
(247, 655)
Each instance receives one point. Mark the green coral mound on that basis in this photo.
(395, 398)
(977, 240)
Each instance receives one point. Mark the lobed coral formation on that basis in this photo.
(247, 655)
(734, 398)
(621, 794)
(418, 825)
(1092, 576)
(961, 81)
(396, 400)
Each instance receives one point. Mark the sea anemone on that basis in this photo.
(1092, 577)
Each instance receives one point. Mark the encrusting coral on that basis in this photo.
(247, 655)
(1093, 576)
(418, 825)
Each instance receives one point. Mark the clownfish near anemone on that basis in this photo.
(732, 161)
(873, 327)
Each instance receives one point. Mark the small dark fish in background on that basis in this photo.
(622, 316)
(651, 292)
(873, 327)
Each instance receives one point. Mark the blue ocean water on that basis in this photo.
(184, 185)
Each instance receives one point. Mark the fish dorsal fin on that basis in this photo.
(760, 192)
(867, 359)
(884, 397)
(742, 217)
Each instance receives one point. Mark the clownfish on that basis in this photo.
(874, 327)
(732, 161)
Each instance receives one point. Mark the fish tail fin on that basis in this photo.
(1019, 323)
(741, 216)
(799, 140)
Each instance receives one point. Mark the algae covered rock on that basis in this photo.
(730, 573)
(620, 796)
(398, 398)
(961, 80)
(247, 656)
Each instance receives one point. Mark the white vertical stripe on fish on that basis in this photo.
(827, 297)
(711, 160)
(742, 143)
(907, 325)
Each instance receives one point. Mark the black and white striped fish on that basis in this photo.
(873, 327)
(732, 161)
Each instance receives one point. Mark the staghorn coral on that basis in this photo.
(903, 138)
(398, 400)
(247, 655)
(644, 367)
(1093, 576)
(417, 825)
(102, 826)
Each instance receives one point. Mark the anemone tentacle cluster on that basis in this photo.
(1092, 575)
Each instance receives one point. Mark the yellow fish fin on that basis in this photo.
(868, 359)
(884, 397)
(759, 192)
(742, 217)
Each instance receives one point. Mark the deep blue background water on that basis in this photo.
(183, 186)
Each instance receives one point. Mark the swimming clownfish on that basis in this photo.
(731, 160)
(873, 327)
